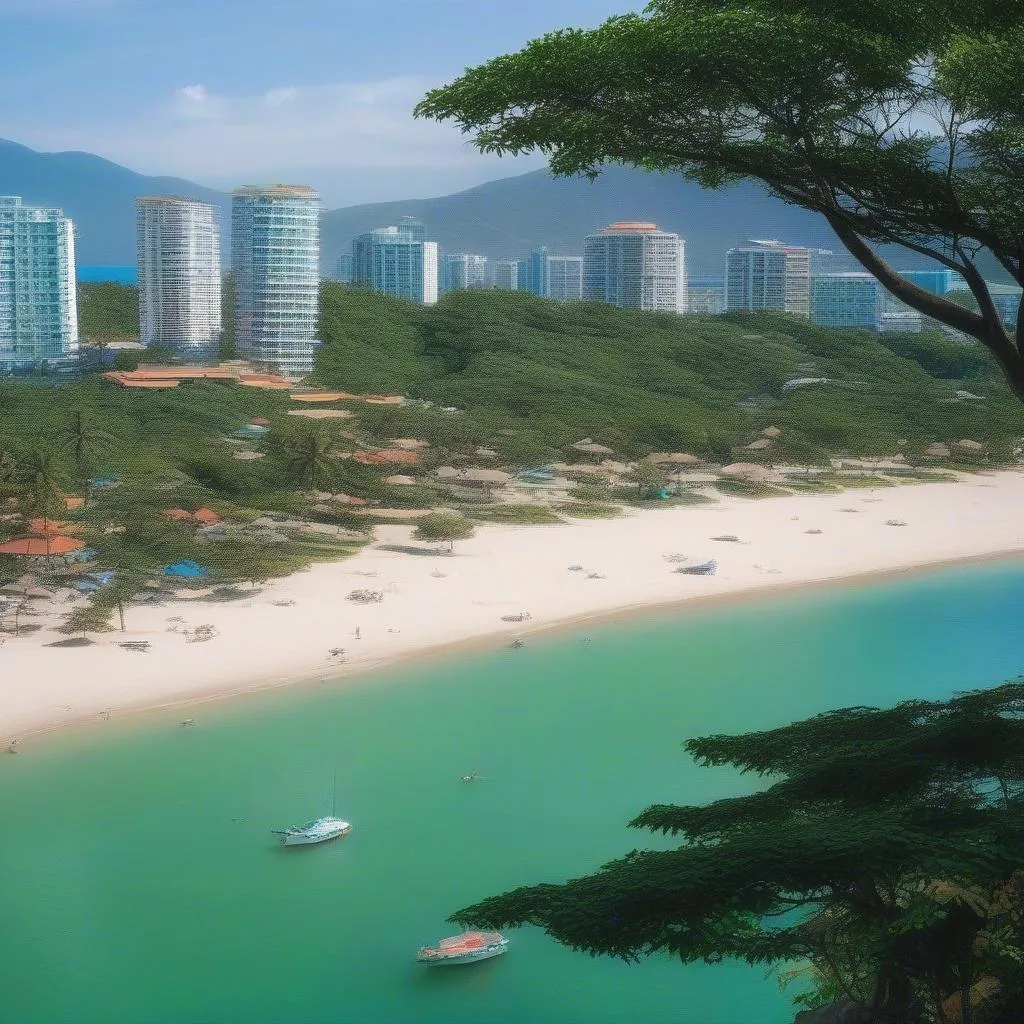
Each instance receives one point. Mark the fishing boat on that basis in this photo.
(318, 831)
(467, 948)
(700, 569)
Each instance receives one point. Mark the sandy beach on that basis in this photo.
(285, 631)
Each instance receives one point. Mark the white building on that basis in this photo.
(565, 278)
(38, 301)
(275, 259)
(506, 275)
(635, 265)
(463, 270)
(768, 275)
(179, 275)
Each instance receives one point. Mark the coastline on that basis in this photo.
(434, 606)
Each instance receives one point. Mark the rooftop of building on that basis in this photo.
(173, 201)
(278, 191)
(630, 227)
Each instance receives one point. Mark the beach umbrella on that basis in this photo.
(186, 570)
(41, 547)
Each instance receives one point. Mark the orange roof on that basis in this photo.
(383, 399)
(630, 226)
(207, 517)
(267, 378)
(385, 457)
(41, 546)
(269, 385)
(51, 527)
(320, 396)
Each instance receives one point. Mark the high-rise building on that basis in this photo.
(275, 259)
(635, 265)
(847, 300)
(413, 227)
(768, 275)
(179, 275)
(938, 282)
(38, 303)
(343, 268)
(506, 275)
(706, 295)
(535, 273)
(565, 278)
(1006, 298)
(463, 270)
(397, 261)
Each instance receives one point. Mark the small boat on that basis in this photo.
(699, 569)
(318, 831)
(467, 948)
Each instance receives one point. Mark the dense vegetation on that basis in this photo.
(549, 374)
(108, 312)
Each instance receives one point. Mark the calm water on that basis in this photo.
(120, 275)
(141, 883)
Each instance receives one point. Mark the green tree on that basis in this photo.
(886, 853)
(88, 617)
(896, 125)
(84, 441)
(41, 483)
(649, 479)
(444, 527)
(308, 459)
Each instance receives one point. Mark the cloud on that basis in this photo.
(354, 126)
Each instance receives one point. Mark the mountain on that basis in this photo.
(99, 196)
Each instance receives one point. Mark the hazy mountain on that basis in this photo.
(99, 196)
(508, 217)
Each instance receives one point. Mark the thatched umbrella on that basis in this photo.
(748, 471)
(937, 451)
(41, 547)
(674, 459)
(771, 432)
(970, 446)
(760, 445)
(593, 449)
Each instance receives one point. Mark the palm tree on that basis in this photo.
(84, 441)
(40, 483)
(309, 460)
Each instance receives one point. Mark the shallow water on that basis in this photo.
(141, 882)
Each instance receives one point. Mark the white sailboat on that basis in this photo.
(467, 948)
(320, 829)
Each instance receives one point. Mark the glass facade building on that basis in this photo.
(768, 276)
(179, 276)
(635, 265)
(463, 270)
(397, 261)
(275, 259)
(938, 282)
(506, 275)
(343, 268)
(565, 278)
(38, 301)
(847, 300)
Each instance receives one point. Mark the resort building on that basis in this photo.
(38, 302)
(275, 258)
(635, 265)
(565, 278)
(463, 270)
(179, 276)
(397, 261)
(847, 300)
(768, 275)
(506, 275)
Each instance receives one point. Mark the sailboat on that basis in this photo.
(320, 829)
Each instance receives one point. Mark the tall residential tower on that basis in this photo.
(397, 261)
(275, 259)
(179, 275)
(768, 275)
(463, 270)
(38, 303)
(635, 265)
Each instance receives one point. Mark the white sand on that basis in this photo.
(430, 602)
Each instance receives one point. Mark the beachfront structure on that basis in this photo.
(565, 278)
(179, 276)
(506, 275)
(38, 303)
(275, 259)
(463, 270)
(397, 261)
(854, 300)
(768, 275)
(635, 265)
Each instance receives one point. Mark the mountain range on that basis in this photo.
(508, 217)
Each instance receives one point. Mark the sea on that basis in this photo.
(141, 882)
(119, 275)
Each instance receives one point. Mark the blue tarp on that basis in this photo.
(187, 569)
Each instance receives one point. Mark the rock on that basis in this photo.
(771, 432)
(937, 451)
(747, 471)
(760, 445)
(970, 446)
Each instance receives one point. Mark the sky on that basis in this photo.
(230, 92)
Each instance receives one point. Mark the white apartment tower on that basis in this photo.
(275, 259)
(463, 270)
(565, 278)
(768, 275)
(635, 265)
(38, 301)
(179, 275)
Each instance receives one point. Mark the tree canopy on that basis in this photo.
(886, 855)
(901, 122)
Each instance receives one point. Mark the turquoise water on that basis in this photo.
(141, 883)
(120, 275)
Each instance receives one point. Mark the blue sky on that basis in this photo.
(226, 92)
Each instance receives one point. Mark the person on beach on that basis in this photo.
(357, 633)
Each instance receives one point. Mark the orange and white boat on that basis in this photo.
(467, 948)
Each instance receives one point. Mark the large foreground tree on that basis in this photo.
(900, 121)
(885, 861)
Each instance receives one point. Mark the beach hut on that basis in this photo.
(187, 569)
(41, 547)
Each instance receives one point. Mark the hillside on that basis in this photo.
(98, 195)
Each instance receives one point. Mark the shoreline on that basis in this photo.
(105, 679)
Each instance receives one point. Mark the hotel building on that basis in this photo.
(635, 265)
(38, 303)
(463, 270)
(275, 259)
(768, 275)
(847, 300)
(397, 261)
